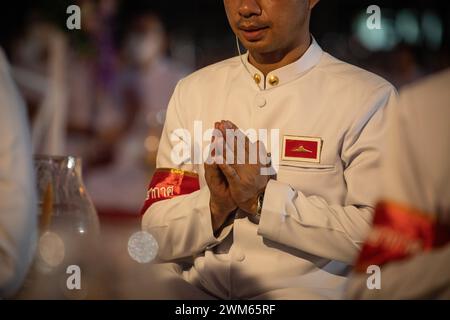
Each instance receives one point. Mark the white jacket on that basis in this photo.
(316, 214)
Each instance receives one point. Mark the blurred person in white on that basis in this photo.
(18, 227)
(410, 239)
(144, 88)
(39, 67)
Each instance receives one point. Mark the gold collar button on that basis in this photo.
(273, 80)
(257, 78)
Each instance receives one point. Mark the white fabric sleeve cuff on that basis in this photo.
(273, 211)
(182, 225)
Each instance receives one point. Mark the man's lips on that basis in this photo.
(253, 33)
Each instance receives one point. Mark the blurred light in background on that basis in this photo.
(142, 247)
(161, 116)
(51, 249)
(407, 26)
(383, 39)
(432, 30)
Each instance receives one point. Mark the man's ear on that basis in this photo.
(312, 3)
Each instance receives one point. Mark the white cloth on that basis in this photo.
(17, 187)
(416, 173)
(315, 215)
(49, 126)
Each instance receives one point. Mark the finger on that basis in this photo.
(236, 141)
(221, 142)
(230, 125)
(213, 144)
(236, 150)
(218, 146)
(222, 129)
(233, 130)
(229, 145)
(230, 173)
(209, 168)
(210, 175)
(211, 153)
(229, 154)
(219, 159)
(241, 143)
(251, 153)
(213, 174)
(216, 127)
(212, 150)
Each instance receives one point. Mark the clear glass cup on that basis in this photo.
(64, 203)
(68, 232)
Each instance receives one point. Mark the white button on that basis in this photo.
(260, 102)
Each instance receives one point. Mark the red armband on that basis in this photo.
(168, 183)
(398, 233)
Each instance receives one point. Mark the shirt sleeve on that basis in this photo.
(327, 230)
(395, 282)
(182, 225)
(18, 228)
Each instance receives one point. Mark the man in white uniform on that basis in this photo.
(410, 239)
(242, 234)
(18, 227)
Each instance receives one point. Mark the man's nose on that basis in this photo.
(249, 8)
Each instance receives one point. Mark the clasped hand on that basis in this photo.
(234, 172)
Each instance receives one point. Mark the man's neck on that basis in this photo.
(267, 62)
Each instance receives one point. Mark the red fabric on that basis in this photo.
(398, 233)
(169, 183)
(293, 149)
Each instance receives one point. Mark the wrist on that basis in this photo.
(219, 214)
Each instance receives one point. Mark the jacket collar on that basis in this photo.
(287, 73)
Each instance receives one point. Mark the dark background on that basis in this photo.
(204, 23)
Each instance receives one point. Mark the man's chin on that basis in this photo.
(259, 46)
